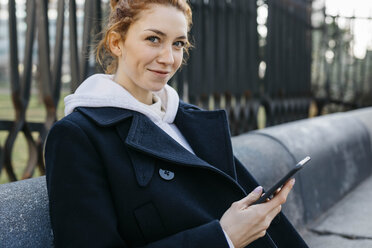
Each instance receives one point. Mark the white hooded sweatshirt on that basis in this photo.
(100, 90)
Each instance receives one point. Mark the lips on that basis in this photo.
(160, 71)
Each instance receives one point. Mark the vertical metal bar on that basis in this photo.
(196, 66)
(180, 79)
(339, 59)
(308, 46)
(355, 84)
(209, 55)
(29, 44)
(365, 81)
(221, 48)
(296, 82)
(252, 52)
(276, 49)
(26, 87)
(15, 88)
(44, 49)
(97, 29)
(58, 53)
(285, 39)
(270, 47)
(13, 52)
(232, 46)
(88, 24)
(20, 92)
(243, 81)
(74, 55)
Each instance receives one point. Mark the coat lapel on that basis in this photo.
(208, 134)
(148, 138)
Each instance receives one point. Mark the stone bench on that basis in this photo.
(341, 153)
(339, 144)
(24, 214)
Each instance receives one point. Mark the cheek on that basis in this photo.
(146, 55)
(138, 54)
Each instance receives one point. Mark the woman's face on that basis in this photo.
(152, 50)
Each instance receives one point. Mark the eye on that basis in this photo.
(153, 39)
(179, 44)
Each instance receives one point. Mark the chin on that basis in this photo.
(157, 86)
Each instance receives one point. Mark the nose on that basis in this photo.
(166, 55)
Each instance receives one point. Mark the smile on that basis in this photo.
(160, 72)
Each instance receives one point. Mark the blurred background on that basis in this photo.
(265, 62)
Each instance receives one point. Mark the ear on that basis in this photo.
(115, 43)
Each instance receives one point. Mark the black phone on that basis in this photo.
(283, 180)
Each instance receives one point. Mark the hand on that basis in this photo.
(244, 222)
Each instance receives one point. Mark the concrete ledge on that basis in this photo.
(24, 218)
(340, 147)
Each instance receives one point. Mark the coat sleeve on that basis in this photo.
(81, 208)
(207, 235)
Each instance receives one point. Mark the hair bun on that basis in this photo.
(113, 3)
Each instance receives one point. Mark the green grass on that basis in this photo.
(35, 113)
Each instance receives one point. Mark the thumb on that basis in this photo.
(252, 197)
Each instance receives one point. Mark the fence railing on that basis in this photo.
(342, 80)
(222, 71)
(288, 58)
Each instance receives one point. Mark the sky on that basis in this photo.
(362, 27)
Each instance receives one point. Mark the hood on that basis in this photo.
(99, 90)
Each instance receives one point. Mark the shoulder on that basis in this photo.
(98, 117)
(69, 127)
(88, 122)
(188, 106)
(73, 121)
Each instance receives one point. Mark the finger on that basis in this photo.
(271, 215)
(268, 198)
(251, 198)
(281, 197)
(277, 191)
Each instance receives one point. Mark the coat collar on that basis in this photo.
(206, 131)
(105, 116)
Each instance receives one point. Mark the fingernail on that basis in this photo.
(257, 190)
(293, 181)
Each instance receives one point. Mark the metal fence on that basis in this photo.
(288, 58)
(342, 80)
(48, 74)
(222, 71)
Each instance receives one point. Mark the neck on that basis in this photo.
(142, 95)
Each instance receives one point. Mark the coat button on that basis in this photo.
(166, 174)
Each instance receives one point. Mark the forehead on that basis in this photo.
(166, 19)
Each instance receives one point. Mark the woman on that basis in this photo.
(130, 165)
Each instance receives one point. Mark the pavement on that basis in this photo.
(348, 224)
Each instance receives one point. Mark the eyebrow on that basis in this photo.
(163, 34)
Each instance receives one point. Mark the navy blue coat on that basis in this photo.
(115, 179)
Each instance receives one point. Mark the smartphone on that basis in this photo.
(279, 184)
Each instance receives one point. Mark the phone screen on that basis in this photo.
(283, 180)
